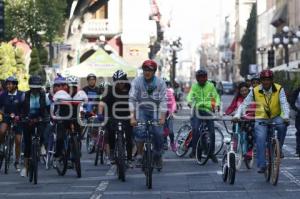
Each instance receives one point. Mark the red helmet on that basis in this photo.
(266, 74)
(150, 65)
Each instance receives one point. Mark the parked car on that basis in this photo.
(228, 87)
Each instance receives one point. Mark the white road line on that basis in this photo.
(290, 176)
(104, 184)
(53, 193)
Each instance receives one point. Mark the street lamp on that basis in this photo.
(261, 51)
(285, 39)
(175, 47)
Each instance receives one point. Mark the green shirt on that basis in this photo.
(201, 97)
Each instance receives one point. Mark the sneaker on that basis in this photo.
(249, 154)
(107, 160)
(281, 155)
(159, 163)
(173, 147)
(261, 170)
(17, 167)
(43, 150)
(139, 161)
(297, 154)
(24, 172)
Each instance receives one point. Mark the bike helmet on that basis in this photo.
(201, 72)
(91, 75)
(149, 65)
(72, 81)
(59, 80)
(35, 81)
(12, 79)
(119, 75)
(266, 74)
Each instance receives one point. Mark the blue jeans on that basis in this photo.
(196, 122)
(261, 136)
(157, 131)
(169, 126)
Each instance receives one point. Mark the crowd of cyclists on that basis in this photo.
(146, 97)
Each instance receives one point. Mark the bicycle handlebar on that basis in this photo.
(149, 122)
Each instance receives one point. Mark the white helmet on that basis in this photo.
(119, 75)
(73, 81)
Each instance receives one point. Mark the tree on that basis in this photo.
(248, 43)
(35, 67)
(12, 64)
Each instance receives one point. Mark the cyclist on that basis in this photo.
(204, 99)
(115, 104)
(35, 109)
(247, 125)
(270, 103)
(147, 101)
(93, 93)
(168, 127)
(11, 102)
(67, 91)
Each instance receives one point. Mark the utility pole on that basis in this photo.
(237, 41)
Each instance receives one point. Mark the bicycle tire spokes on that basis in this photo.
(275, 161)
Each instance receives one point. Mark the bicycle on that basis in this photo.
(70, 152)
(228, 163)
(100, 146)
(8, 145)
(184, 138)
(35, 149)
(120, 150)
(90, 137)
(242, 146)
(147, 165)
(203, 147)
(51, 146)
(272, 153)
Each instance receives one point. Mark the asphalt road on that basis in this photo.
(180, 178)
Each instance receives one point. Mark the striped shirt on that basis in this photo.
(284, 105)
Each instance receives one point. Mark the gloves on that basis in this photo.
(286, 121)
(100, 117)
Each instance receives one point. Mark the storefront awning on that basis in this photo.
(280, 16)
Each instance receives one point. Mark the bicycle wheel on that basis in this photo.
(148, 166)
(62, 163)
(1, 159)
(35, 161)
(8, 152)
(90, 146)
(275, 161)
(50, 151)
(203, 148)
(224, 166)
(183, 133)
(120, 159)
(268, 164)
(232, 169)
(219, 140)
(249, 160)
(76, 155)
(239, 154)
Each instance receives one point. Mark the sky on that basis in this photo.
(190, 18)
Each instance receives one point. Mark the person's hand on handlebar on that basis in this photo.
(286, 121)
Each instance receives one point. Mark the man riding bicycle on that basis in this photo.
(270, 103)
(93, 93)
(204, 99)
(11, 102)
(115, 103)
(148, 101)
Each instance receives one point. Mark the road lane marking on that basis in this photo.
(290, 176)
(53, 193)
(97, 194)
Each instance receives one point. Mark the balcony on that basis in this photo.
(97, 27)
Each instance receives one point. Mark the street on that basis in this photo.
(179, 178)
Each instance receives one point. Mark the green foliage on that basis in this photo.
(24, 19)
(248, 43)
(43, 55)
(12, 63)
(35, 67)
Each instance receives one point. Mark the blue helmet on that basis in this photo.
(59, 80)
(12, 79)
